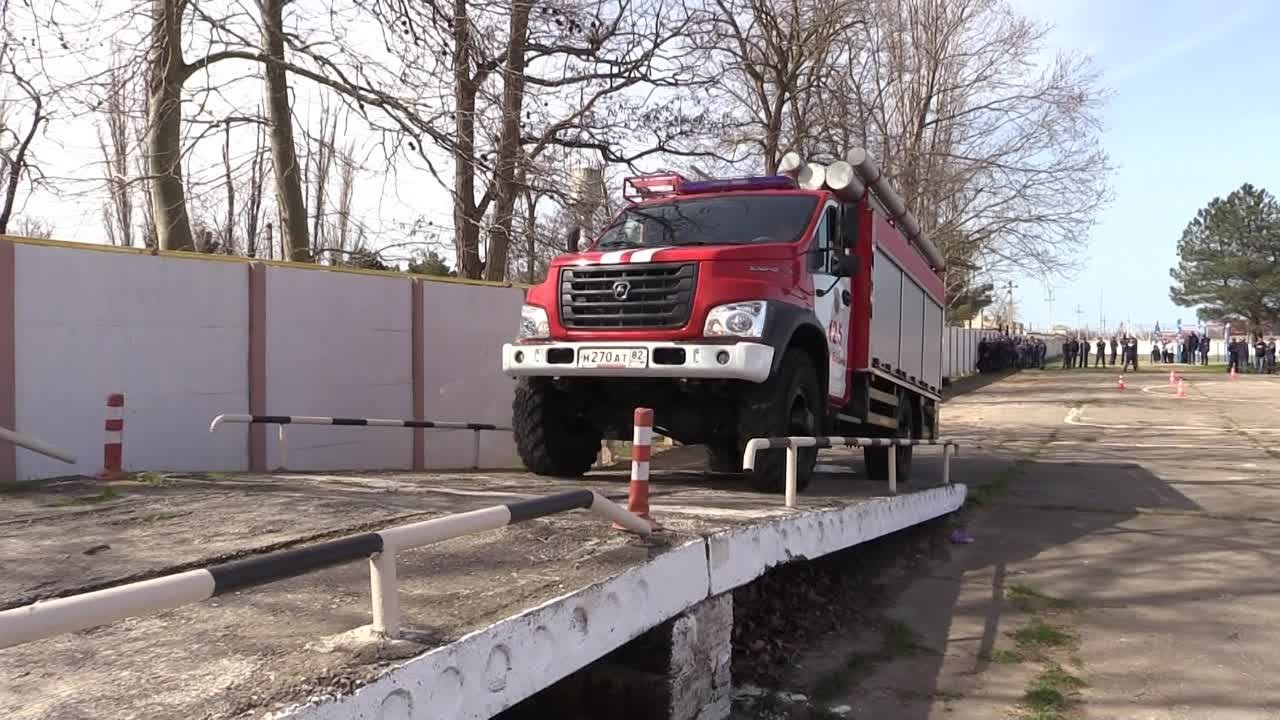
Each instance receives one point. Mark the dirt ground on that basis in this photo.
(1122, 566)
(268, 646)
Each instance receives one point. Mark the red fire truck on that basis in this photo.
(808, 303)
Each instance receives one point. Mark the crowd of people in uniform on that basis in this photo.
(1263, 352)
(1076, 352)
(1005, 351)
(1188, 350)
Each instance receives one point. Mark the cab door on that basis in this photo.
(831, 300)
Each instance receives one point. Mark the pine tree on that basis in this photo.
(1229, 259)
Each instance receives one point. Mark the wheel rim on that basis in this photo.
(800, 420)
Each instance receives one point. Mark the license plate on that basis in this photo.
(613, 358)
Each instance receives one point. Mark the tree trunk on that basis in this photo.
(466, 224)
(284, 157)
(505, 179)
(164, 138)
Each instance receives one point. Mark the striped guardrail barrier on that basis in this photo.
(282, 420)
(78, 612)
(35, 445)
(793, 444)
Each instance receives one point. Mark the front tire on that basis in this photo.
(724, 457)
(552, 436)
(790, 402)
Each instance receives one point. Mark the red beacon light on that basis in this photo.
(644, 187)
(767, 182)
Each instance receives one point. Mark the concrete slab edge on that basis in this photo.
(488, 671)
(736, 557)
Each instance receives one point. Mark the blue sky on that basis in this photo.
(1194, 113)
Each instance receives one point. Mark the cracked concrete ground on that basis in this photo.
(1153, 525)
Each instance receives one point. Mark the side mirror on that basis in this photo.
(572, 238)
(848, 266)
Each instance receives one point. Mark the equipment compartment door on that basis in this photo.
(831, 307)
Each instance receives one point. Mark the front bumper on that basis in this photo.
(740, 361)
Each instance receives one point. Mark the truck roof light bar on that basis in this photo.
(766, 182)
(644, 187)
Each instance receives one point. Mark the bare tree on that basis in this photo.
(284, 157)
(772, 59)
(20, 117)
(31, 227)
(253, 205)
(998, 152)
(117, 148)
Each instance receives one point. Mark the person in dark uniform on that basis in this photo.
(1271, 356)
(1133, 353)
(1114, 345)
(1067, 359)
(1083, 354)
(1155, 351)
(1204, 350)
(1233, 355)
(1259, 354)
(1100, 360)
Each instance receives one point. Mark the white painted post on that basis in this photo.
(793, 458)
(386, 593)
(946, 464)
(476, 444)
(284, 448)
(893, 470)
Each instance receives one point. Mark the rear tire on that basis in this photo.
(876, 460)
(552, 436)
(790, 402)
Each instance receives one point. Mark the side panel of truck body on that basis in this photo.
(904, 304)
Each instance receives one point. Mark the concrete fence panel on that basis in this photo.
(170, 333)
(464, 327)
(338, 344)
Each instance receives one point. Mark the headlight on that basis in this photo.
(533, 323)
(740, 319)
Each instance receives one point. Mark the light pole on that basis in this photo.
(1049, 300)
(1009, 287)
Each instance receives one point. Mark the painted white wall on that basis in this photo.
(340, 345)
(465, 327)
(170, 333)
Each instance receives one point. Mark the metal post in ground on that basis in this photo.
(793, 459)
(476, 447)
(284, 448)
(385, 593)
(893, 470)
(946, 464)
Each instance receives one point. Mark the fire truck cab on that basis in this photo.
(798, 304)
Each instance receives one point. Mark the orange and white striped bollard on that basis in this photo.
(641, 453)
(113, 446)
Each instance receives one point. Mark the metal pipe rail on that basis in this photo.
(793, 444)
(35, 445)
(282, 420)
(78, 612)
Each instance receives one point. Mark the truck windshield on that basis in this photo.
(733, 220)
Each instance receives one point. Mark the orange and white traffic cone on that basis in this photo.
(1120, 383)
(1173, 378)
(1182, 390)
